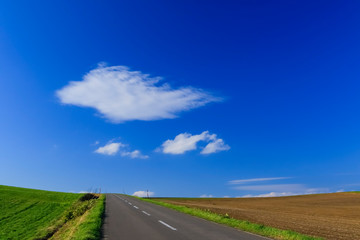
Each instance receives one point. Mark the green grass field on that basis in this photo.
(36, 214)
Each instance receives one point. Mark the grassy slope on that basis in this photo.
(36, 214)
(240, 224)
(24, 212)
(90, 227)
(87, 224)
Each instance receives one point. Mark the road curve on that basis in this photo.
(130, 218)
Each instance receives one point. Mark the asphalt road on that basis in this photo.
(131, 219)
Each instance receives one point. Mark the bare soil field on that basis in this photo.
(331, 216)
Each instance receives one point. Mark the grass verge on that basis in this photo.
(236, 223)
(85, 221)
(90, 227)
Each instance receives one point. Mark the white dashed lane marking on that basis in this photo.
(146, 213)
(167, 225)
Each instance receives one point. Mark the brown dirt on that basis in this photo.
(331, 216)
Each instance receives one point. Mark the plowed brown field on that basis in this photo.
(331, 216)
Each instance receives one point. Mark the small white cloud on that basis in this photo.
(206, 196)
(143, 194)
(271, 194)
(186, 142)
(117, 147)
(274, 188)
(215, 146)
(283, 194)
(134, 154)
(122, 95)
(109, 149)
(244, 181)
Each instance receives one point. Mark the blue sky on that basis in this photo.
(181, 98)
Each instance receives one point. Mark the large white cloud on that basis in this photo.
(186, 142)
(123, 95)
(143, 194)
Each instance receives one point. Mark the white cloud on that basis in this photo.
(288, 189)
(271, 194)
(274, 188)
(109, 149)
(143, 194)
(122, 95)
(215, 146)
(283, 194)
(134, 154)
(244, 181)
(114, 147)
(186, 142)
(206, 196)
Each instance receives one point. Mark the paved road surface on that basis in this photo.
(127, 218)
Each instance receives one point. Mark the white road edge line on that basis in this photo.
(136, 207)
(146, 213)
(172, 228)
